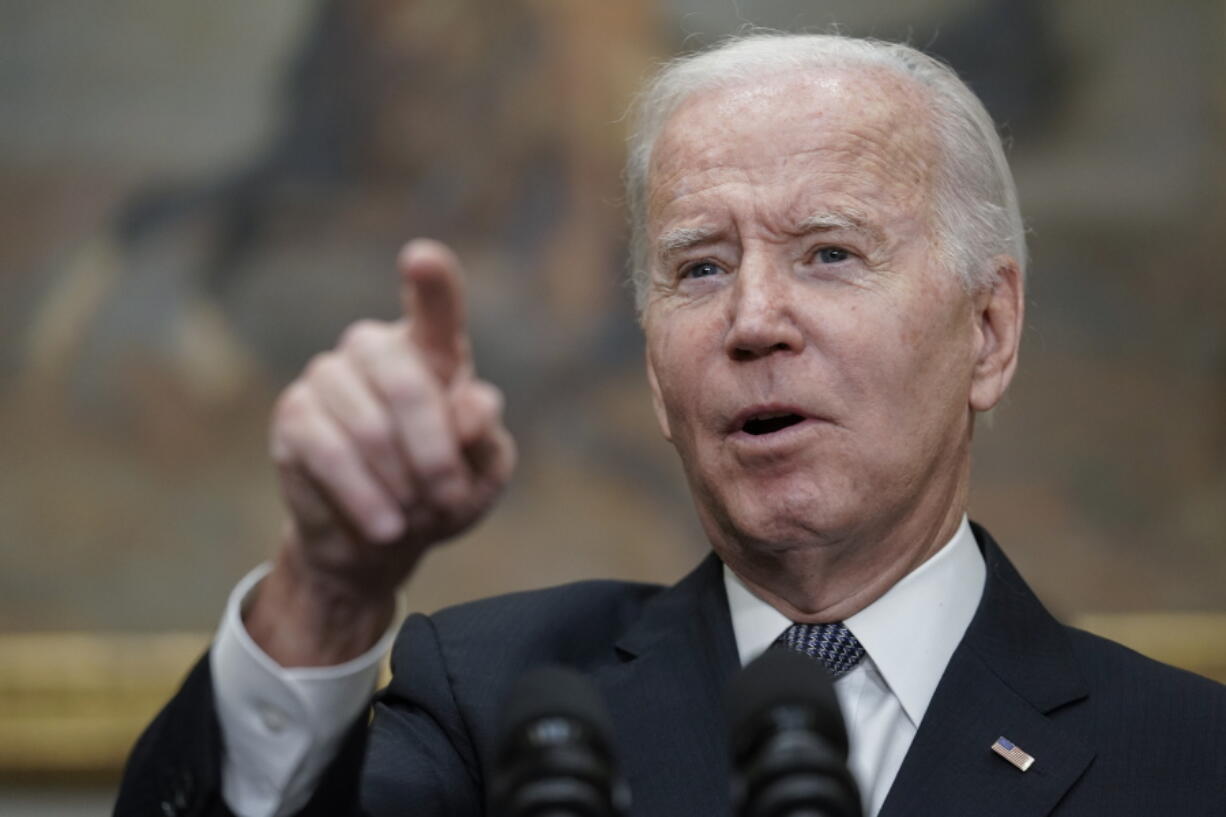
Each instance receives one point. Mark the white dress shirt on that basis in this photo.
(281, 727)
(908, 635)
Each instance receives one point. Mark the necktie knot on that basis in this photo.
(832, 644)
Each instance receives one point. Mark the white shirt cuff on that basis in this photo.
(280, 727)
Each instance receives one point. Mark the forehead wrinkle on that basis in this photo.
(894, 176)
(897, 144)
(876, 111)
(895, 154)
(881, 149)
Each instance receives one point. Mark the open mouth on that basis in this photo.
(770, 423)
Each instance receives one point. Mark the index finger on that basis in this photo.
(432, 295)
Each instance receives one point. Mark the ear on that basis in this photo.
(999, 314)
(657, 399)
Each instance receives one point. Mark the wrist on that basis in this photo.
(304, 618)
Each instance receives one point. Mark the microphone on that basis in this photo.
(789, 744)
(554, 753)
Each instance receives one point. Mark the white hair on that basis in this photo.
(975, 200)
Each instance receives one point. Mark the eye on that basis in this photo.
(702, 269)
(832, 255)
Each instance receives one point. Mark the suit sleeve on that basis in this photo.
(421, 750)
(174, 769)
(415, 757)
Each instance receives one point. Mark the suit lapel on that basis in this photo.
(1013, 668)
(665, 696)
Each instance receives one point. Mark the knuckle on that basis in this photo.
(294, 403)
(322, 366)
(280, 451)
(490, 394)
(438, 468)
(362, 334)
(328, 456)
(364, 504)
(371, 433)
(406, 390)
(493, 405)
(485, 403)
(498, 401)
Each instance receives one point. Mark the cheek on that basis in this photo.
(681, 358)
(900, 363)
(930, 374)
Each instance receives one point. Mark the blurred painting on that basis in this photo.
(198, 198)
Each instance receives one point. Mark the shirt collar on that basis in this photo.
(910, 633)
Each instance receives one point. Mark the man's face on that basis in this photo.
(810, 358)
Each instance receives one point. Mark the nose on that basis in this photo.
(761, 320)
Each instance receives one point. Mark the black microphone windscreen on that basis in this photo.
(784, 678)
(555, 751)
(554, 691)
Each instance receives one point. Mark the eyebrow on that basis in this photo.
(844, 220)
(682, 238)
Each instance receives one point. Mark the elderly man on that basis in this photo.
(829, 263)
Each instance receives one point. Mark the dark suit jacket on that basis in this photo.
(1112, 732)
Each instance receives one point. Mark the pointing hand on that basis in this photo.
(385, 446)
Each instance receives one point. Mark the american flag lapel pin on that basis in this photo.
(1005, 748)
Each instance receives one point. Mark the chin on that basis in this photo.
(779, 518)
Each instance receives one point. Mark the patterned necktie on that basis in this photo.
(832, 644)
